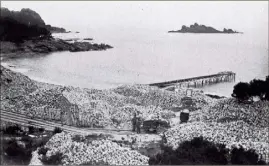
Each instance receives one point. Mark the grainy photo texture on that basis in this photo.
(134, 83)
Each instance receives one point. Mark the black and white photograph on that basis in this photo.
(134, 83)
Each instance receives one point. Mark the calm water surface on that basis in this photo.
(151, 56)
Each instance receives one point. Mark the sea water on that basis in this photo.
(148, 56)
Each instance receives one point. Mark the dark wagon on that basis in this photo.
(155, 126)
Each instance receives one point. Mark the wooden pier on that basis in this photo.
(200, 81)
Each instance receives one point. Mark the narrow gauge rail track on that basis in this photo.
(23, 120)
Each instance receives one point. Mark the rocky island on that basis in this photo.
(196, 28)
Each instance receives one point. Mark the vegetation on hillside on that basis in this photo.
(55, 159)
(17, 146)
(14, 31)
(57, 130)
(17, 26)
(200, 151)
(255, 88)
(29, 17)
(25, 16)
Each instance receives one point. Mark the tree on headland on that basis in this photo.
(14, 31)
(255, 88)
(267, 88)
(25, 16)
(17, 26)
(241, 91)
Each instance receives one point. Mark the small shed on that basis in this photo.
(184, 116)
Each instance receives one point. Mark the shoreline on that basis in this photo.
(22, 71)
(9, 56)
(16, 69)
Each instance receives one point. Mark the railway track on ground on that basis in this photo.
(23, 120)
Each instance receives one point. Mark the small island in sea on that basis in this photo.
(196, 28)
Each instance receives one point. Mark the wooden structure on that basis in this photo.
(200, 81)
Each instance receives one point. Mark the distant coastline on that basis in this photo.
(196, 28)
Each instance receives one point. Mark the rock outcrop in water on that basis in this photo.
(45, 46)
(196, 28)
(54, 29)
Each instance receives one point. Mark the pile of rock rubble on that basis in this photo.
(94, 151)
(231, 134)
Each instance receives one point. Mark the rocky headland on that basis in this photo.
(196, 28)
(44, 46)
(25, 34)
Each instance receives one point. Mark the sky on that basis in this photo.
(163, 15)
